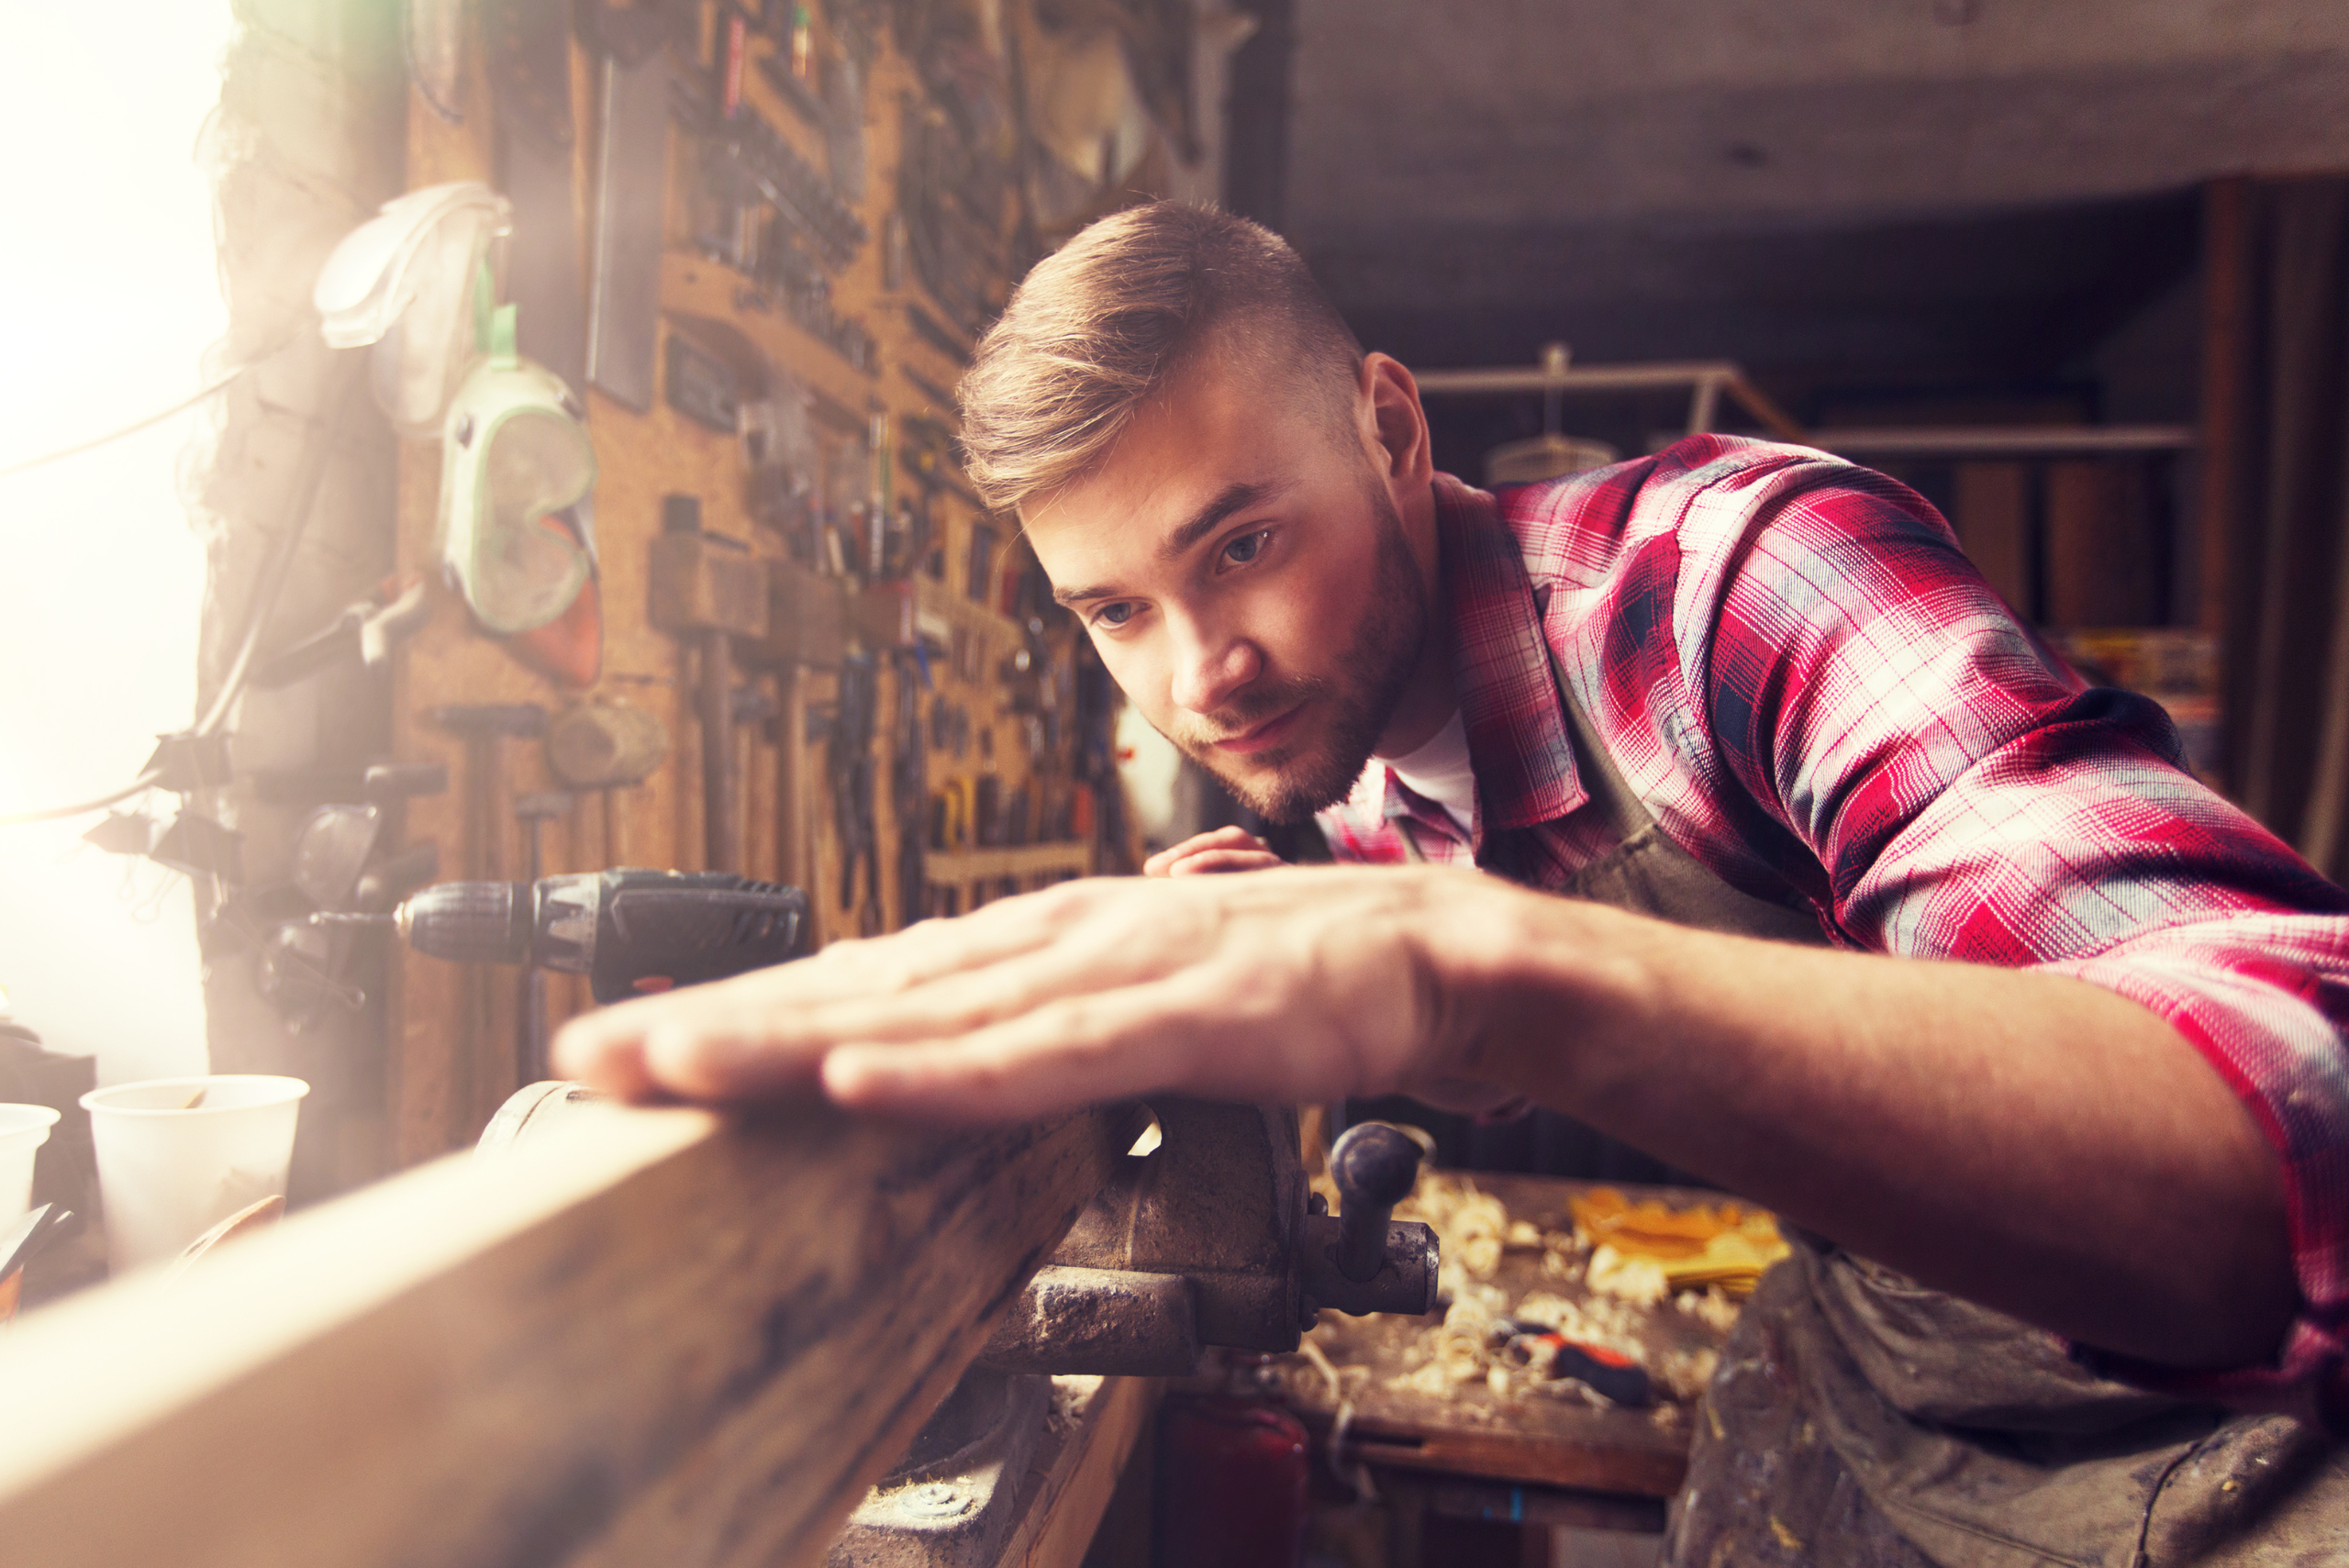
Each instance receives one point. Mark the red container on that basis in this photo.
(1230, 1491)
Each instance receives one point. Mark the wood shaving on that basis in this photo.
(1687, 1372)
(1615, 1324)
(1637, 1280)
(1710, 1307)
(1472, 1227)
(1072, 1392)
(1471, 1345)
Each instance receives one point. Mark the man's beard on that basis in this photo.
(1379, 661)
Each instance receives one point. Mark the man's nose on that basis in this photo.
(1211, 668)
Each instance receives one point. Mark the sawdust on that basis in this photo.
(1687, 1372)
(1475, 1343)
(1710, 1306)
(1640, 1281)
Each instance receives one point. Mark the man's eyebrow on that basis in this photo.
(1201, 523)
(1207, 519)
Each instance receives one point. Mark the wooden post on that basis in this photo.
(652, 1337)
(2229, 443)
(1993, 523)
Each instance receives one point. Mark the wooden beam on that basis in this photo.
(1059, 1524)
(650, 1337)
(2227, 528)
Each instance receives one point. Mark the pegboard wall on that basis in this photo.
(899, 720)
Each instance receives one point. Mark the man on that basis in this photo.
(1749, 708)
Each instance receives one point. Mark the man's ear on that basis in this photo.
(1394, 424)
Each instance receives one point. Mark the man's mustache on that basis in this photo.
(1246, 711)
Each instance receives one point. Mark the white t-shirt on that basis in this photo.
(1441, 772)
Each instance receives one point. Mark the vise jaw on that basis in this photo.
(1213, 1238)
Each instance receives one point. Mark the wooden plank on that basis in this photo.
(652, 1337)
(1543, 1505)
(1598, 1465)
(1020, 860)
(1078, 1480)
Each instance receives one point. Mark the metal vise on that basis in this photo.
(1210, 1236)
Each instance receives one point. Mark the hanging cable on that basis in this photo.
(336, 409)
(271, 582)
(131, 429)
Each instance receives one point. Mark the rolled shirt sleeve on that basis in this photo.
(1963, 795)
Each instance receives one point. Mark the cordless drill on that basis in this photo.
(631, 932)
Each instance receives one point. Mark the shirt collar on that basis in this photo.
(1500, 663)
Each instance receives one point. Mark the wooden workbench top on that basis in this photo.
(1471, 1431)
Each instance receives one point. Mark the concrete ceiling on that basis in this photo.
(1846, 183)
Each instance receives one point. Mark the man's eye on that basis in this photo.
(1113, 615)
(1244, 548)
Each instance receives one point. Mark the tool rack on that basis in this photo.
(948, 626)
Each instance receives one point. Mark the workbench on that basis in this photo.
(1532, 1461)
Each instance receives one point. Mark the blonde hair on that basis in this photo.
(1104, 322)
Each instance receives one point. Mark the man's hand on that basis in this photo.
(2025, 1139)
(1221, 849)
(1310, 985)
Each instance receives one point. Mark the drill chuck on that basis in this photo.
(470, 922)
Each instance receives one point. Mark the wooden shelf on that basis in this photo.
(948, 866)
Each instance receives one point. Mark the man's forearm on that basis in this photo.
(2032, 1142)
(2029, 1141)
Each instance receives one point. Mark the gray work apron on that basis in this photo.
(1861, 1419)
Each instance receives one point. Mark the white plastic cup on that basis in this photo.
(23, 1130)
(168, 1171)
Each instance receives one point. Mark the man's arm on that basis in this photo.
(2028, 1140)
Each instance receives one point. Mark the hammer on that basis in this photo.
(530, 1037)
(710, 589)
(606, 747)
(481, 726)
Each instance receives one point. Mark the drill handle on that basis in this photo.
(668, 930)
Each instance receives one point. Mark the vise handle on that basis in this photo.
(1375, 1168)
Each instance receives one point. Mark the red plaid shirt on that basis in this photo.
(1819, 697)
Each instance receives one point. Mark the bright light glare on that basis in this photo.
(112, 294)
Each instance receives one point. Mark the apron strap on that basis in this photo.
(1625, 812)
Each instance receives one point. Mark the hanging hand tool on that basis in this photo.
(529, 70)
(631, 194)
(382, 783)
(365, 630)
(530, 1030)
(632, 932)
(909, 786)
(848, 762)
(481, 726)
(606, 747)
(710, 589)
